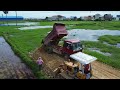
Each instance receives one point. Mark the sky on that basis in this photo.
(43, 14)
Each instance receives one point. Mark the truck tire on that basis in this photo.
(66, 56)
(50, 50)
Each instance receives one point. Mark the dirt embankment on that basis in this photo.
(52, 61)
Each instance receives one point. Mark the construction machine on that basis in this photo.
(51, 41)
(79, 67)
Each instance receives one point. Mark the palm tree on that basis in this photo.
(16, 17)
(6, 12)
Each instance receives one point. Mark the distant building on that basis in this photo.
(108, 17)
(73, 17)
(97, 17)
(87, 18)
(117, 17)
(56, 17)
(90, 18)
(11, 18)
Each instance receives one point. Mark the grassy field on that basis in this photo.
(23, 42)
(110, 39)
(111, 25)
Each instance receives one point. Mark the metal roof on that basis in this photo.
(72, 40)
(11, 17)
(83, 58)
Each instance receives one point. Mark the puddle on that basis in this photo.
(117, 45)
(11, 65)
(98, 50)
(89, 35)
(34, 27)
(20, 24)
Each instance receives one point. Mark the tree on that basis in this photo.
(6, 12)
(46, 18)
(75, 18)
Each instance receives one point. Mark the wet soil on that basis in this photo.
(11, 66)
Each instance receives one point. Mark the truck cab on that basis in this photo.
(72, 46)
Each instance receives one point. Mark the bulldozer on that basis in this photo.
(78, 67)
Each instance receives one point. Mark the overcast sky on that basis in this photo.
(43, 14)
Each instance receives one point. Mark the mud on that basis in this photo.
(11, 66)
(52, 61)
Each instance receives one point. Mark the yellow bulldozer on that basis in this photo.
(77, 67)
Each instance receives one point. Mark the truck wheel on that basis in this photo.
(66, 56)
(50, 50)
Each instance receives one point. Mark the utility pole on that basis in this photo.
(2, 18)
(16, 17)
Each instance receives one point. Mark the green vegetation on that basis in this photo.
(114, 59)
(23, 42)
(112, 25)
(13, 21)
(110, 39)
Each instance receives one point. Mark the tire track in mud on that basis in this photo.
(100, 70)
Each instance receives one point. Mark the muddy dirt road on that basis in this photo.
(11, 66)
(52, 61)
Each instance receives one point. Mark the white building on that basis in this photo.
(97, 16)
(118, 17)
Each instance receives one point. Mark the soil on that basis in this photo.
(52, 61)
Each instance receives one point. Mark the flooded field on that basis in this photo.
(90, 35)
(34, 27)
(117, 45)
(20, 24)
(98, 50)
(11, 66)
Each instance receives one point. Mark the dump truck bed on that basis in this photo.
(56, 34)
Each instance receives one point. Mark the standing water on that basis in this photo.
(11, 66)
(90, 35)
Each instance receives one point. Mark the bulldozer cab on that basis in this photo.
(85, 68)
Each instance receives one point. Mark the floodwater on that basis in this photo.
(117, 45)
(89, 35)
(97, 50)
(11, 66)
(34, 27)
(20, 24)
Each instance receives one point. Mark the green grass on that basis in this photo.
(13, 21)
(113, 60)
(110, 39)
(23, 42)
(112, 25)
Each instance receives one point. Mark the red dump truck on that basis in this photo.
(70, 46)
